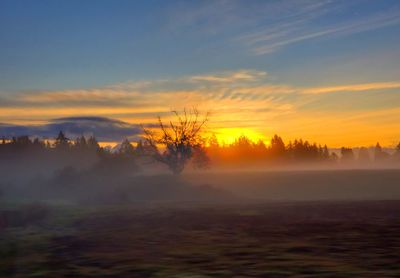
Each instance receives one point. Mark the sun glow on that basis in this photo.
(229, 135)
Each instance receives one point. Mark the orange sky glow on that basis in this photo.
(243, 102)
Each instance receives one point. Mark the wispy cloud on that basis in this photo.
(306, 26)
(245, 86)
(219, 17)
(353, 88)
(243, 98)
(263, 27)
(231, 76)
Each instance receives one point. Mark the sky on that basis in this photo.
(326, 71)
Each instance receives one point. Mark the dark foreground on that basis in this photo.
(320, 239)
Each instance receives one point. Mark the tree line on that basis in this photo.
(245, 150)
(180, 143)
(175, 146)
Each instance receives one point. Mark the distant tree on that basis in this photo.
(325, 153)
(347, 154)
(300, 150)
(397, 152)
(334, 157)
(93, 144)
(377, 151)
(180, 140)
(143, 148)
(126, 148)
(277, 147)
(379, 154)
(140, 149)
(243, 142)
(61, 142)
(23, 141)
(80, 143)
(213, 142)
(243, 147)
(260, 146)
(200, 158)
(38, 144)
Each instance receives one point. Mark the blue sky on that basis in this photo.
(72, 47)
(64, 44)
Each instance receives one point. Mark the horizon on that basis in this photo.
(76, 127)
(326, 71)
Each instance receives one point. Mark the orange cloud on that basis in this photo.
(238, 101)
(353, 88)
(231, 76)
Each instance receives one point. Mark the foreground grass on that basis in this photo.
(274, 240)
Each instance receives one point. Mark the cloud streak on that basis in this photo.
(231, 89)
(269, 26)
(243, 98)
(353, 88)
(297, 29)
(231, 77)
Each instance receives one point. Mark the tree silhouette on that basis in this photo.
(93, 144)
(62, 142)
(277, 146)
(80, 143)
(379, 154)
(126, 148)
(325, 153)
(334, 157)
(142, 149)
(397, 152)
(347, 154)
(243, 145)
(213, 142)
(200, 158)
(180, 140)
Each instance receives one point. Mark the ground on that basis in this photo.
(269, 239)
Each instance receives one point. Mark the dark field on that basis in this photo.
(310, 185)
(320, 239)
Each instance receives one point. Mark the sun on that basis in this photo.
(229, 135)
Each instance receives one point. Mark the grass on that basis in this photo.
(306, 239)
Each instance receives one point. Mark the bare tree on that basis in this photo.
(180, 141)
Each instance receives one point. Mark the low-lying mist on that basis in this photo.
(92, 179)
(186, 169)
